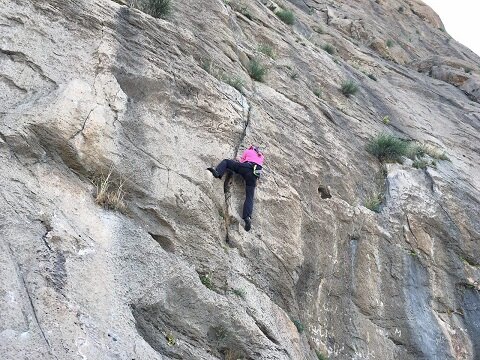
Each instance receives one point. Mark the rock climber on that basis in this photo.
(250, 168)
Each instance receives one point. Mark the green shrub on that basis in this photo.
(374, 201)
(256, 70)
(349, 88)
(286, 16)
(206, 280)
(387, 147)
(468, 70)
(401, 9)
(320, 356)
(386, 120)
(420, 164)
(206, 64)
(329, 49)
(170, 339)
(389, 43)
(317, 92)
(267, 50)
(298, 324)
(415, 150)
(235, 81)
(157, 8)
(240, 293)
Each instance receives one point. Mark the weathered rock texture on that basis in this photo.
(91, 86)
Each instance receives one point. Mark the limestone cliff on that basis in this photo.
(93, 87)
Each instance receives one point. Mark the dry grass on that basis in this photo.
(110, 193)
(230, 354)
(435, 153)
(419, 150)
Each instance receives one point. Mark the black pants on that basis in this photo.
(246, 171)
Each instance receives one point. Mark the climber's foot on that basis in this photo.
(214, 172)
(248, 223)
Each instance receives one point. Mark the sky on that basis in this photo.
(460, 18)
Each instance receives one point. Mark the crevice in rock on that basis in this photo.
(153, 329)
(395, 341)
(12, 84)
(245, 128)
(324, 192)
(410, 229)
(226, 191)
(228, 176)
(83, 125)
(263, 329)
(33, 310)
(19, 57)
(265, 332)
(164, 242)
(328, 114)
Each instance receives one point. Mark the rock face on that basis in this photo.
(93, 87)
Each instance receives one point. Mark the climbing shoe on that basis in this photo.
(214, 172)
(248, 223)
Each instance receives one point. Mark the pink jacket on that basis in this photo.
(250, 155)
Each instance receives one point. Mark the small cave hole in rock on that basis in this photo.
(324, 192)
(164, 242)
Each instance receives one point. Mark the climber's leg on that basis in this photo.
(222, 167)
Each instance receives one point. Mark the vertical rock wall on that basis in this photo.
(93, 87)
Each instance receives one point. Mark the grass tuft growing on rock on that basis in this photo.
(110, 194)
(267, 50)
(317, 92)
(420, 163)
(206, 280)
(298, 324)
(418, 150)
(235, 82)
(240, 293)
(389, 43)
(329, 48)
(232, 354)
(170, 339)
(388, 148)
(320, 355)
(256, 70)
(349, 87)
(373, 202)
(286, 16)
(157, 8)
(206, 64)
